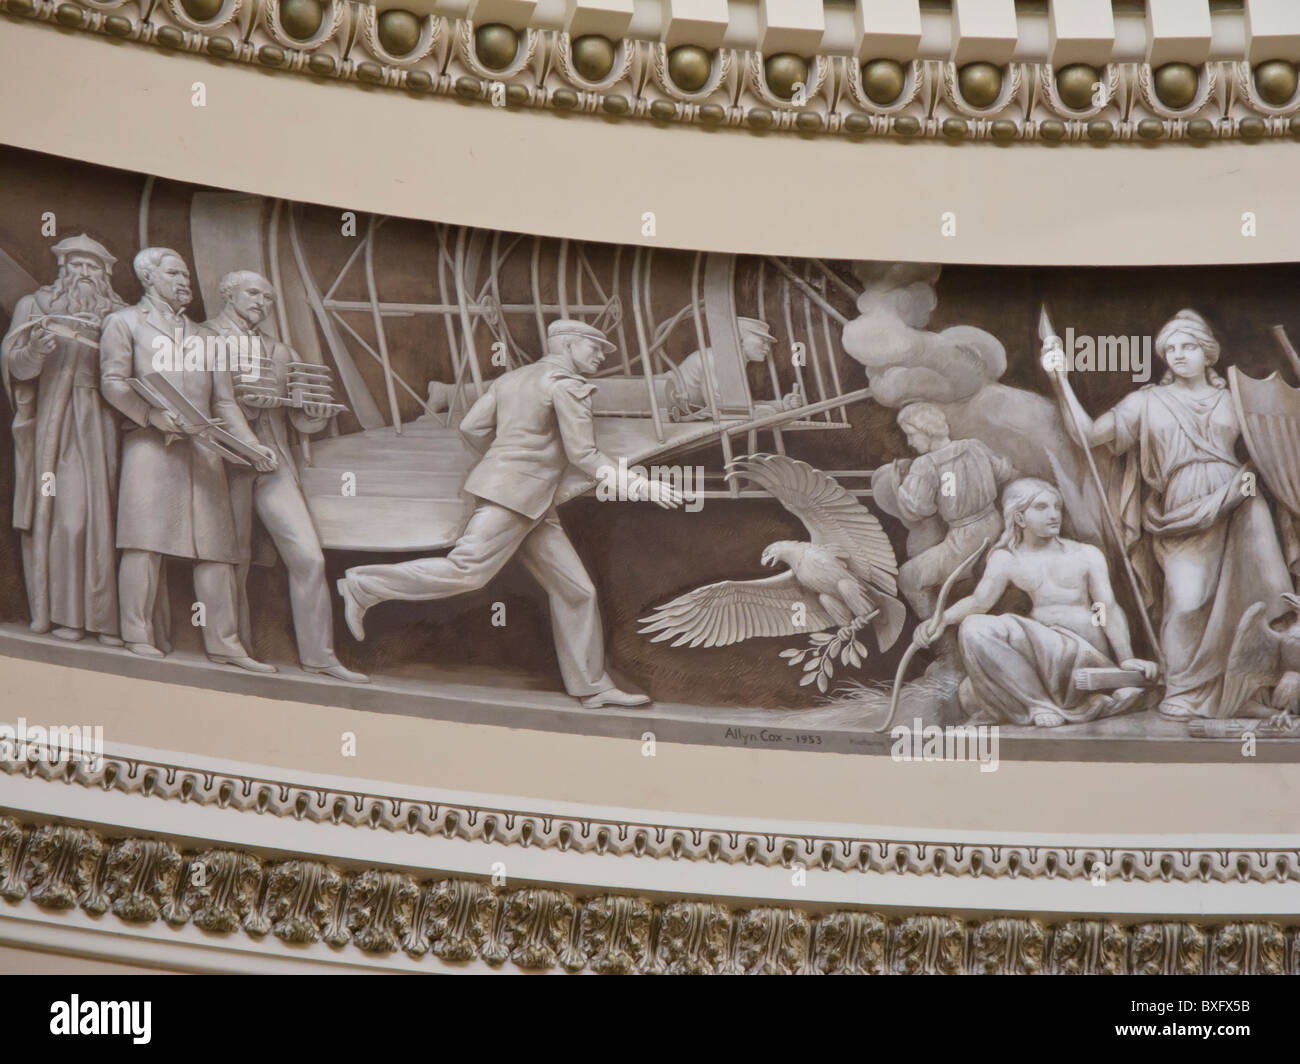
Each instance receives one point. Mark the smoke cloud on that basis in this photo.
(906, 362)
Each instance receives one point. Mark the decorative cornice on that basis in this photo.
(443, 60)
(381, 911)
(669, 842)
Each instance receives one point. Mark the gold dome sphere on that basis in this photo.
(1175, 84)
(1276, 81)
(689, 67)
(980, 84)
(783, 72)
(399, 32)
(593, 56)
(1075, 85)
(496, 45)
(883, 80)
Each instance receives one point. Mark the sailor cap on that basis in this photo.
(755, 327)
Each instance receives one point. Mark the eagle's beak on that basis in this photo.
(1291, 600)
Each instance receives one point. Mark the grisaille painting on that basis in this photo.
(308, 453)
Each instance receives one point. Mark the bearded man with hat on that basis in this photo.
(65, 445)
(535, 432)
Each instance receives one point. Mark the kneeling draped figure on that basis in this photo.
(1020, 670)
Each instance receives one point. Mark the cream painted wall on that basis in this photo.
(595, 774)
(588, 177)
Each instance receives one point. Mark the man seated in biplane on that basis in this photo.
(692, 377)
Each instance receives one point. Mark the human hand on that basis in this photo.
(927, 632)
(657, 492)
(1053, 358)
(166, 423)
(43, 341)
(1149, 669)
(257, 399)
(266, 463)
(317, 411)
(794, 400)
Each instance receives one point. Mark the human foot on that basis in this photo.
(353, 612)
(338, 671)
(615, 697)
(243, 662)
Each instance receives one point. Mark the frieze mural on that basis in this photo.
(306, 453)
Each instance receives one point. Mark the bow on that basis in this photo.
(939, 608)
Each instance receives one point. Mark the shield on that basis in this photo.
(1269, 413)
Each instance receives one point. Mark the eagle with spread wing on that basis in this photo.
(845, 577)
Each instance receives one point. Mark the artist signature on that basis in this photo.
(767, 736)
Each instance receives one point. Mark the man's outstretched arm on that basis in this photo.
(572, 402)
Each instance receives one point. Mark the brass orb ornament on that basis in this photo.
(1276, 82)
(1175, 84)
(784, 72)
(689, 67)
(301, 18)
(496, 45)
(883, 80)
(980, 84)
(593, 56)
(202, 10)
(399, 32)
(1075, 85)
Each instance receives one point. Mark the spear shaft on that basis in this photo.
(1045, 333)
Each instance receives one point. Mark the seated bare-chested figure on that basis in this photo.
(1020, 670)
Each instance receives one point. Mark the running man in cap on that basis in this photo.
(65, 446)
(534, 430)
(692, 379)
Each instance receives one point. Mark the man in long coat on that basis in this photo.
(65, 446)
(174, 497)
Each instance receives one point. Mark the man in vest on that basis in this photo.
(276, 497)
(535, 431)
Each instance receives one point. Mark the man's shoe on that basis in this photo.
(70, 634)
(339, 672)
(614, 697)
(244, 663)
(145, 650)
(353, 612)
(110, 640)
